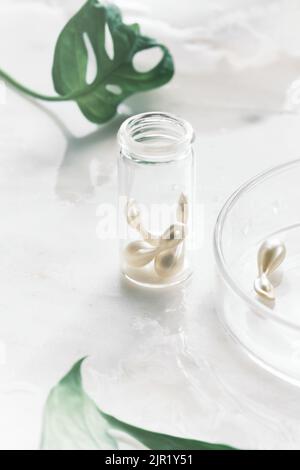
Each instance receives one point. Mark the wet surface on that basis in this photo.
(159, 360)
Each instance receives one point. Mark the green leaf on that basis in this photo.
(116, 78)
(99, 101)
(73, 421)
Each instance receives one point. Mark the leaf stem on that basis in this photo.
(69, 97)
(29, 92)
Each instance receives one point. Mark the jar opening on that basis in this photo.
(156, 137)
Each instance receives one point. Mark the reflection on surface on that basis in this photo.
(166, 306)
(98, 151)
(74, 179)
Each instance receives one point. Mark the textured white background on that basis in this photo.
(159, 361)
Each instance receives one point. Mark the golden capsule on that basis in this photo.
(138, 254)
(174, 235)
(169, 262)
(133, 214)
(182, 209)
(269, 257)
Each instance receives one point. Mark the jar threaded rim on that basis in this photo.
(155, 137)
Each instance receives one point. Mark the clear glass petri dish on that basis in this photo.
(267, 206)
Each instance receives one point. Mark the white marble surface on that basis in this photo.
(160, 361)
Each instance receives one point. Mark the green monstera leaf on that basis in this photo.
(97, 30)
(116, 77)
(72, 421)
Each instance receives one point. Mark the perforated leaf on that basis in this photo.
(94, 28)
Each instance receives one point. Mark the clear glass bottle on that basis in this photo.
(156, 174)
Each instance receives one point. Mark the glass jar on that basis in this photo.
(156, 174)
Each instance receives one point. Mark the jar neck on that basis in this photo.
(156, 138)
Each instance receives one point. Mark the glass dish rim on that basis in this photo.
(221, 263)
